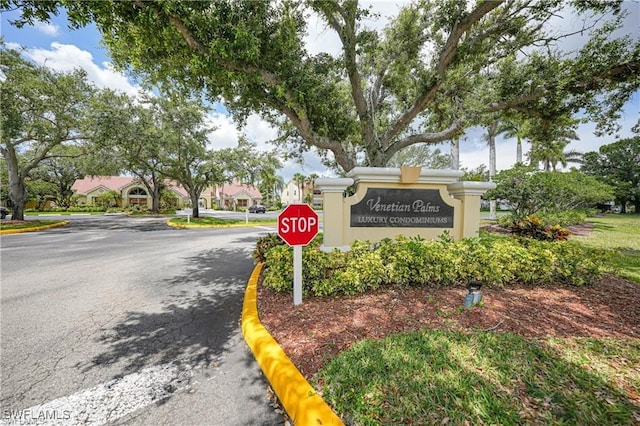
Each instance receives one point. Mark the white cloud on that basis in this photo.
(260, 132)
(311, 164)
(67, 57)
(48, 29)
(472, 157)
(321, 38)
(226, 133)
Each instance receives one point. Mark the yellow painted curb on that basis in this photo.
(35, 228)
(303, 405)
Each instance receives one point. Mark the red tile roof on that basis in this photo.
(230, 190)
(115, 183)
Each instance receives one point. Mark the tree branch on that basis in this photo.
(435, 137)
(267, 77)
(451, 46)
(347, 34)
(303, 125)
(446, 58)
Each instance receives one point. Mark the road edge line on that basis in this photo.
(232, 225)
(300, 400)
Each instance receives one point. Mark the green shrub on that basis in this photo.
(564, 218)
(363, 269)
(560, 218)
(278, 274)
(578, 265)
(533, 227)
(265, 244)
(413, 261)
(56, 209)
(506, 220)
(86, 209)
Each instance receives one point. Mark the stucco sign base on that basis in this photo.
(393, 201)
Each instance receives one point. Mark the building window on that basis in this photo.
(137, 196)
(242, 202)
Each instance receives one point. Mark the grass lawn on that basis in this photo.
(441, 377)
(621, 235)
(445, 377)
(213, 222)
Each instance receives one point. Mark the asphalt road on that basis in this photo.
(116, 320)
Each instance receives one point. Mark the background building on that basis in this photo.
(131, 192)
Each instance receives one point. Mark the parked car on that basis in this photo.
(257, 208)
(3, 212)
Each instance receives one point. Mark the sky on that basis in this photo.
(63, 49)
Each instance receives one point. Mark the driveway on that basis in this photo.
(117, 320)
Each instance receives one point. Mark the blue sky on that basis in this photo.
(64, 49)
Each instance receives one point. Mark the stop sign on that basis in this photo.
(297, 224)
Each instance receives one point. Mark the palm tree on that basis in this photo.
(299, 179)
(278, 187)
(572, 156)
(552, 153)
(308, 188)
(513, 129)
(490, 137)
(420, 155)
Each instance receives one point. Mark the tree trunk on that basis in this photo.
(492, 210)
(154, 186)
(455, 154)
(623, 205)
(155, 199)
(492, 165)
(195, 207)
(18, 195)
(17, 188)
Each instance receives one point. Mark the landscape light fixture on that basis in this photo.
(474, 296)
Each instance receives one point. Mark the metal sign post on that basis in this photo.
(297, 226)
(297, 275)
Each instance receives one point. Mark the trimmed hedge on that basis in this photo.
(415, 261)
(553, 218)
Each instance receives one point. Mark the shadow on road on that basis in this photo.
(195, 324)
(116, 223)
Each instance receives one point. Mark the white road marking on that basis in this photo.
(106, 402)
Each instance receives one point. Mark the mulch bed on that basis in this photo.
(321, 327)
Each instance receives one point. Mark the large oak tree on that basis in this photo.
(618, 164)
(435, 69)
(41, 111)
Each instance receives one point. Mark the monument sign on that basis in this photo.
(399, 201)
(402, 208)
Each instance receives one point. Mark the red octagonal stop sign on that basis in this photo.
(298, 224)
